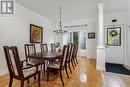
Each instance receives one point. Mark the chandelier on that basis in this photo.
(60, 31)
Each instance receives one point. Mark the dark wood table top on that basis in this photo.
(48, 55)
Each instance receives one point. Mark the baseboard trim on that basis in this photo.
(3, 73)
(103, 79)
(100, 68)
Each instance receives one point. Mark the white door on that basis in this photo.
(114, 44)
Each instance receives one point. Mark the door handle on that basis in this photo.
(106, 46)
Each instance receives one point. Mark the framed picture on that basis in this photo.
(91, 35)
(36, 34)
(114, 36)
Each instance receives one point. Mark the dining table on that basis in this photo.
(47, 55)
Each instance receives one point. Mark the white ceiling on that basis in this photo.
(72, 9)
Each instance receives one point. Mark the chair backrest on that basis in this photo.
(70, 47)
(71, 52)
(44, 48)
(74, 52)
(29, 49)
(53, 47)
(13, 61)
(64, 56)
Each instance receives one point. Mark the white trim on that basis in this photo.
(100, 5)
(3, 73)
(101, 47)
(100, 68)
(100, 65)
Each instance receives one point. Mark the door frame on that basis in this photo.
(78, 40)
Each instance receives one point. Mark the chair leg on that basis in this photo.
(48, 74)
(22, 84)
(66, 72)
(76, 60)
(72, 64)
(39, 73)
(10, 82)
(44, 68)
(70, 68)
(61, 78)
(35, 77)
(28, 81)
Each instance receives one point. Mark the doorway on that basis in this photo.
(77, 36)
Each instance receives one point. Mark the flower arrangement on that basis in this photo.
(57, 44)
(113, 33)
(58, 47)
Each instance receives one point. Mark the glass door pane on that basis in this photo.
(82, 40)
(75, 38)
(78, 38)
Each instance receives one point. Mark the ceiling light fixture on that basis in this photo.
(60, 31)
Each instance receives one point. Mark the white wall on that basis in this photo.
(128, 38)
(15, 31)
(91, 43)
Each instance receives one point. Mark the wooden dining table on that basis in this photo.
(47, 55)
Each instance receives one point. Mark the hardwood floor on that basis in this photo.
(85, 75)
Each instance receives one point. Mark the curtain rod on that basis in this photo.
(75, 26)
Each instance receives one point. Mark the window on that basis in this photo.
(114, 36)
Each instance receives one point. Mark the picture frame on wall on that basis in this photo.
(36, 34)
(91, 35)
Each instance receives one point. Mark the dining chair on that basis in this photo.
(59, 66)
(70, 56)
(75, 54)
(31, 49)
(53, 47)
(68, 60)
(16, 70)
(44, 48)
